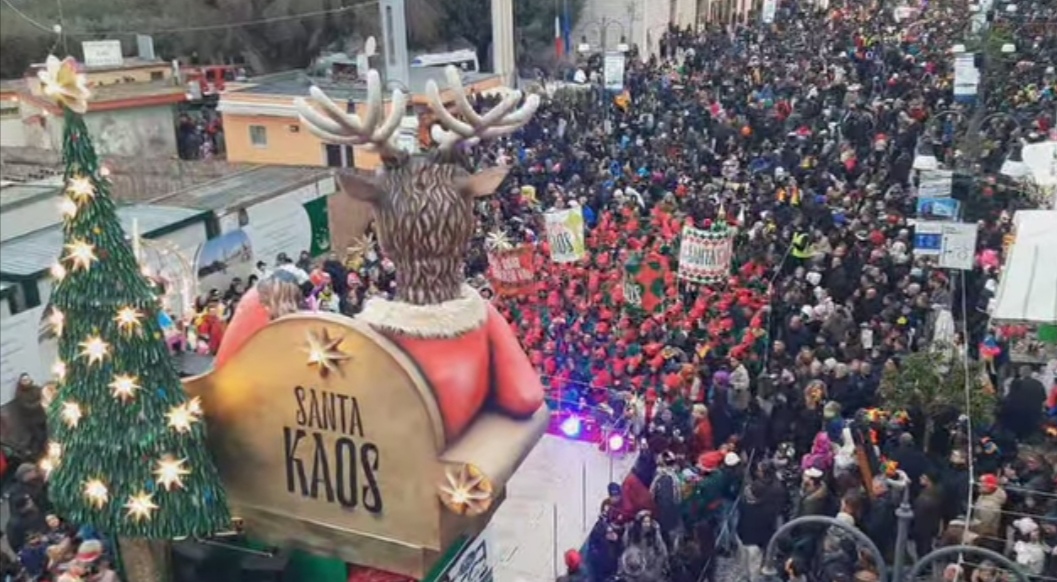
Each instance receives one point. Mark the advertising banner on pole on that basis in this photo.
(565, 234)
(935, 183)
(770, 8)
(704, 255)
(938, 208)
(953, 243)
(613, 71)
(966, 77)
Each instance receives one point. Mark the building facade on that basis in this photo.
(261, 125)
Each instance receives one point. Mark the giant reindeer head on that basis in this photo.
(423, 204)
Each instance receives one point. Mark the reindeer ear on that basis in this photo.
(359, 187)
(483, 183)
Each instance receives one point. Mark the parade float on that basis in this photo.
(381, 440)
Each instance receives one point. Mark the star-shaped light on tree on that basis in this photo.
(124, 387)
(59, 369)
(194, 406)
(96, 492)
(128, 319)
(323, 352)
(95, 349)
(180, 418)
(56, 320)
(81, 254)
(140, 506)
(170, 472)
(466, 490)
(58, 272)
(67, 207)
(80, 189)
(71, 414)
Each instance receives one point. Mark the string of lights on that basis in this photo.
(60, 30)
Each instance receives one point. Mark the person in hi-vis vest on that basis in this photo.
(801, 251)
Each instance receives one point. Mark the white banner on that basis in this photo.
(966, 77)
(704, 256)
(770, 8)
(959, 246)
(935, 183)
(613, 71)
(565, 234)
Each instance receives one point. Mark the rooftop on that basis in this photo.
(118, 91)
(34, 253)
(235, 190)
(297, 83)
(14, 194)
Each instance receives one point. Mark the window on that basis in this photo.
(339, 156)
(259, 136)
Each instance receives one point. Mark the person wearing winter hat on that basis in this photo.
(89, 551)
(573, 566)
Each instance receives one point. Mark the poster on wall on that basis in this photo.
(565, 234)
(292, 223)
(220, 260)
(704, 255)
(20, 351)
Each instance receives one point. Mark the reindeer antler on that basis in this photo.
(334, 125)
(498, 122)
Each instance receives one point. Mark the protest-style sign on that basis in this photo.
(565, 234)
(511, 270)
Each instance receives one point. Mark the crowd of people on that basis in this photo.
(758, 399)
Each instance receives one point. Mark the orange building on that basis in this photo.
(261, 124)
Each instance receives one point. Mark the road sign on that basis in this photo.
(959, 246)
(928, 238)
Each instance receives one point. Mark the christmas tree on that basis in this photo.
(128, 454)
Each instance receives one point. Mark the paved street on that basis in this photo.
(556, 479)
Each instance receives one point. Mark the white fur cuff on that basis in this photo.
(449, 319)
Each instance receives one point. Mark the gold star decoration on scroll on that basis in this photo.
(324, 352)
(360, 246)
(466, 490)
(497, 241)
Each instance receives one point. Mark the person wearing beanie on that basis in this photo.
(573, 568)
(987, 511)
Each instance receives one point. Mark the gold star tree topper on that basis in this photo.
(62, 82)
(324, 352)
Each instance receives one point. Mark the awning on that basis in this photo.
(1028, 288)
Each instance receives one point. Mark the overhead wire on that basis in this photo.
(59, 30)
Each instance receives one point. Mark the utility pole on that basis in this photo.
(394, 41)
